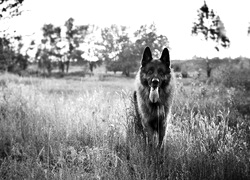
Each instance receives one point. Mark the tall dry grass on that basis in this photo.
(54, 129)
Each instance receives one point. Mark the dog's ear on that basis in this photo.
(165, 57)
(146, 57)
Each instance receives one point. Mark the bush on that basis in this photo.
(114, 66)
(232, 76)
(176, 67)
(184, 74)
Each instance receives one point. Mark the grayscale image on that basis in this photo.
(124, 90)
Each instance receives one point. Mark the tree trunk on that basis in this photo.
(49, 68)
(127, 73)
(67, 66)
(61, 66)
(209, 69)
(91, 68)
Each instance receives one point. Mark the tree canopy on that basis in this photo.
(10, 8)
(60, 45)
(11, 58)
(123, 52)
(210, 26)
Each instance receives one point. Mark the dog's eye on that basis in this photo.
(160, 72)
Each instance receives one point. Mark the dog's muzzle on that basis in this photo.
(154, 90)
(155, 82)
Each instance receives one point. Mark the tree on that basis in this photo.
(10, 8)
(147, 36)
(60, 47)
(116, 44)
(44, 62)
(11, 59)
(127, 58)
(124, 59)
(8, 55)
(210, 27)
(91, 55)
(110, 41)
(122, 54)
(49, 49)
(74, 35)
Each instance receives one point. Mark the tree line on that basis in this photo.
(115, 47)
(10, 46)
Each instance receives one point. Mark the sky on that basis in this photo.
(173, 18)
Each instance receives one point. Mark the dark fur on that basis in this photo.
(154, 113)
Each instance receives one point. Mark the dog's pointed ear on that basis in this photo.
(146, 57)
(165, 58)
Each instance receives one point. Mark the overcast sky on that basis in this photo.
(173, 18)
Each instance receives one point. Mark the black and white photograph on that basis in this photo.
(124, 90)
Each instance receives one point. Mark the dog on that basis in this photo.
(153, 95)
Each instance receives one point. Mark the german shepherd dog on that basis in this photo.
(153, 96)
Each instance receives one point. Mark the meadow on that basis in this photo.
(82, 128)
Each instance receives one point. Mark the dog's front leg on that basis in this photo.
(162, 132)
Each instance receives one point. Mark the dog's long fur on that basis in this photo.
(155, 85)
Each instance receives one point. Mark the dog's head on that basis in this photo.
(155, 73)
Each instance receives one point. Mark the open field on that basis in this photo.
(80, 128)
(67, 72)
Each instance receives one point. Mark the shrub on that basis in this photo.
(232, 76)
(184, 74)
(176, 67)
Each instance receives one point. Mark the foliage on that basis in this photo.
(184, 74)
(10, 8)
(92, 49)
(176, 67)
(113, 66)
(49, 47)
(233, 75)
(60, 48)
(44, 61)
(112, 38)
(11, 58)
(127, 58)
(74, 35)
(211, 27)
(117, 52)
(147, 36)
(123, 54)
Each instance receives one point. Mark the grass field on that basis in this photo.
(82, 128)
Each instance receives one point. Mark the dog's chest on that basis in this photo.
(156, 112)
(157, 117)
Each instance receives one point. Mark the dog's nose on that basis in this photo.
(155, 82)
